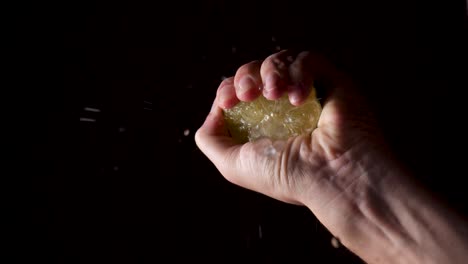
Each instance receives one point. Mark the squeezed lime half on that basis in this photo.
(277, 120)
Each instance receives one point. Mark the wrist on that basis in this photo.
(360, 209)
(380, 213)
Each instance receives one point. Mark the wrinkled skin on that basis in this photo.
(343, 171)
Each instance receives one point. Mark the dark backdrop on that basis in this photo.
(131, 186)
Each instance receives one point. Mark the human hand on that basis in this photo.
(343, 171)
(298, 164)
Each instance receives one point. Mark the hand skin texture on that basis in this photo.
(343, 171)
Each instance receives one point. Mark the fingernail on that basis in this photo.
(271, 81)
(246, 83)
(296, 96)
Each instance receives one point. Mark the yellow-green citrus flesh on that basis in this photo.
(277, 120)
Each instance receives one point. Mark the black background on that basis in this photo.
(132, 188)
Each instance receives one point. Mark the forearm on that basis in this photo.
(384, 217)
(436, 232)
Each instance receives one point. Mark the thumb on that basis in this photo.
(252, 165)
(213, 139)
